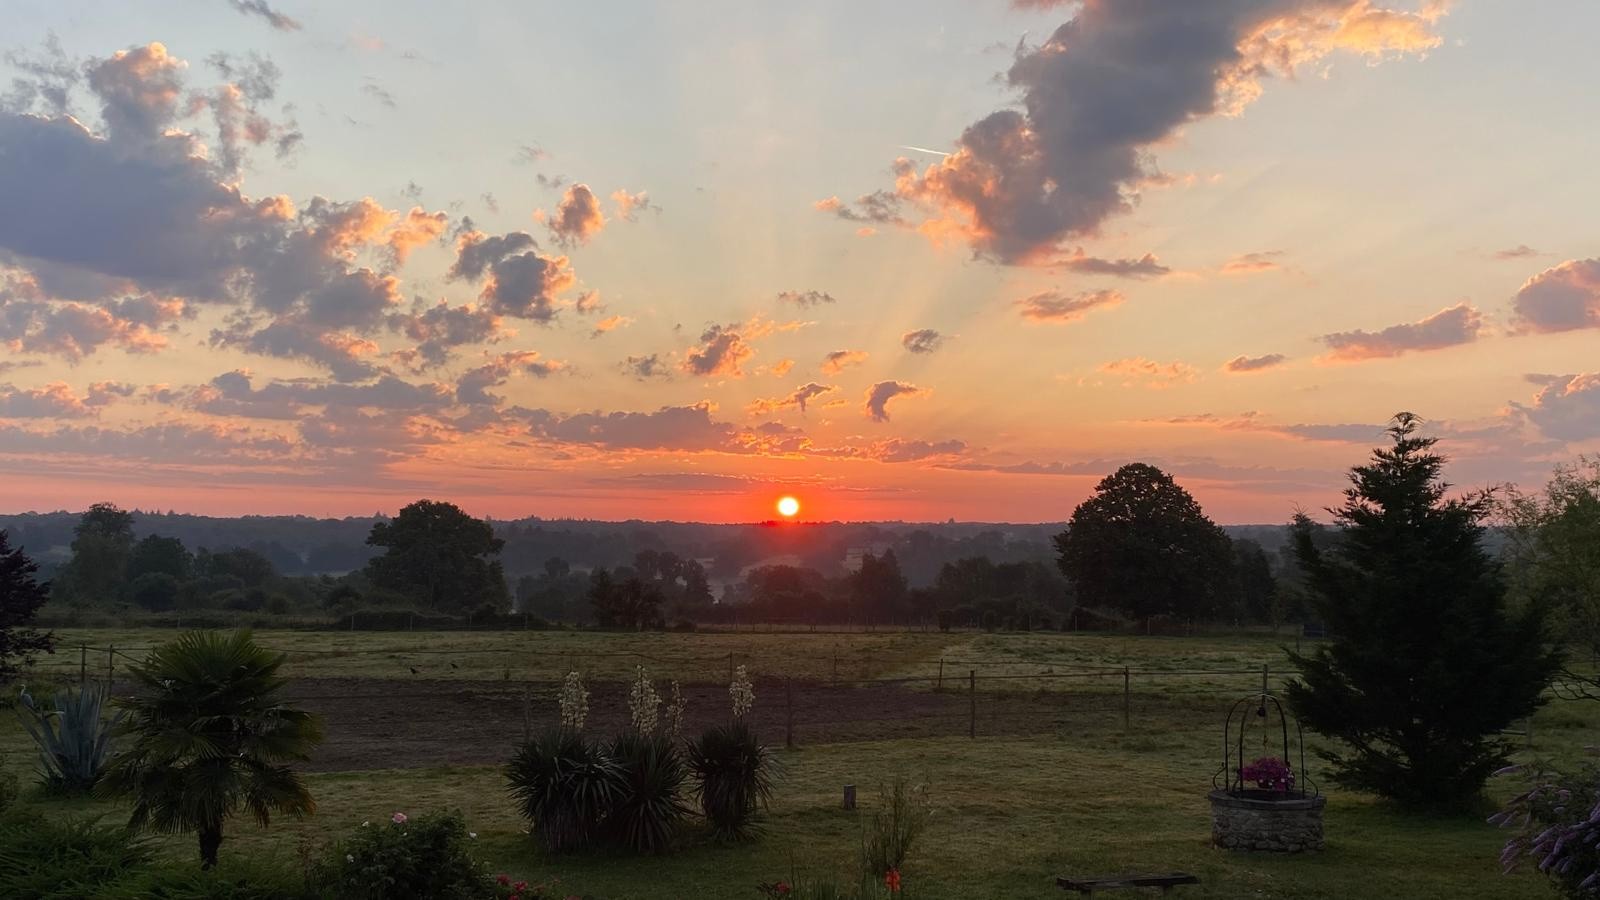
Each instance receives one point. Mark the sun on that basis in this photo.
(788, 507)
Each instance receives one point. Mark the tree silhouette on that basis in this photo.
(439, 556)
(1424, 666)
(1142, 545)
(21, 595)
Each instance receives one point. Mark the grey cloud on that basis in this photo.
(1562, 298)
(1241, 364)
(923, 340)
(722, 351)
(879, 395)
(1055, 306)
(1145, 266)
(264, 11)
(805, 299)
(1451, 327)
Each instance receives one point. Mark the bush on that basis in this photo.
(64, 860)
(566, 787)
(74, 741)
(946, 618)
(401, 858)
(1558, 826)
(650, 807)
(735, 774)
(893, 830)
(42, 859)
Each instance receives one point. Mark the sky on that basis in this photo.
(657, 260)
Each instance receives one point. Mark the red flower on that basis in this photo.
(891, 880)
(519, 887)
(781, 887)
(502, 880)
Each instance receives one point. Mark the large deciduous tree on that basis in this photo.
(1554, 548)
(1142, 545)
(1424, 665)
(101, 546)
(21, 595)
(439, 556)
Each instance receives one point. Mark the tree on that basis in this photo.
(21, 595)
(211, 737)
(556, 568)
(249, 567)
(155, 554)
(1424, 666)
(101, 545)
(155, 591)
(633, 603)
(1554, 548)
(439, 556)
(878, 588)
(1142, 545)
(1258, 590)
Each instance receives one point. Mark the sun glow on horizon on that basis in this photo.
(788, 507)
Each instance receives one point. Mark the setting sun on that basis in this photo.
(788, 507)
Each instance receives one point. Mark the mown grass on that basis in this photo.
(1009, 813)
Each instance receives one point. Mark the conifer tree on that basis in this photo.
(1424, 665)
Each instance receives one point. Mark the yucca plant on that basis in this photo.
(893, 830)
(648, 812)
(566, 787)
(735, 775)
(211, 736)
(74, 738)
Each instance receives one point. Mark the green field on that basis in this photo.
(1080, 795)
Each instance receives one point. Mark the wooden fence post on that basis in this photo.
(941, 674)
(788, 694)
(1264, 677)
(111, 665)
(1127, 699)
(972, 711)
(83, 666)
(527, 715)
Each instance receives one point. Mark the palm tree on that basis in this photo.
(210, 736)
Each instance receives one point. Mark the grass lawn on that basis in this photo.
(1010, 813)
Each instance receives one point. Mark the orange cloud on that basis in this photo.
(1456, 325)
(1057, 307)
(839, 360)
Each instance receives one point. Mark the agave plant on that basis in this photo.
(735, 773)
(650, 808)
(566, 787)
(211, 736)
(74, 739)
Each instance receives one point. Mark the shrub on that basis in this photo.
(735, 775)
(64, 859)
(401, 858)
(1558, 826)
(566, 787)
(74, 740)
(946, 618)
(650, 805)
(893, 830)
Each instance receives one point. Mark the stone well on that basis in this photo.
(1265, 820)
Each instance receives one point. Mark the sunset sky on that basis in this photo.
(670, 260)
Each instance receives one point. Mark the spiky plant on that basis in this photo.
(74, 738)
(211, 736)
(646, 816)
(735, 774)
(566, 787)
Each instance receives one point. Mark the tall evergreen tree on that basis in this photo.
(1424, 666)
(101, 546)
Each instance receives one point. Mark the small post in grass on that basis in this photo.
(849, 796)
(527, 716)
(1127, 699)
(111, 665)
(972, 711)
(1264, 677)
(941, 674)
(83, 665)
(788, 694)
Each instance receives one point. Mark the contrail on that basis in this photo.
(925, 150)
